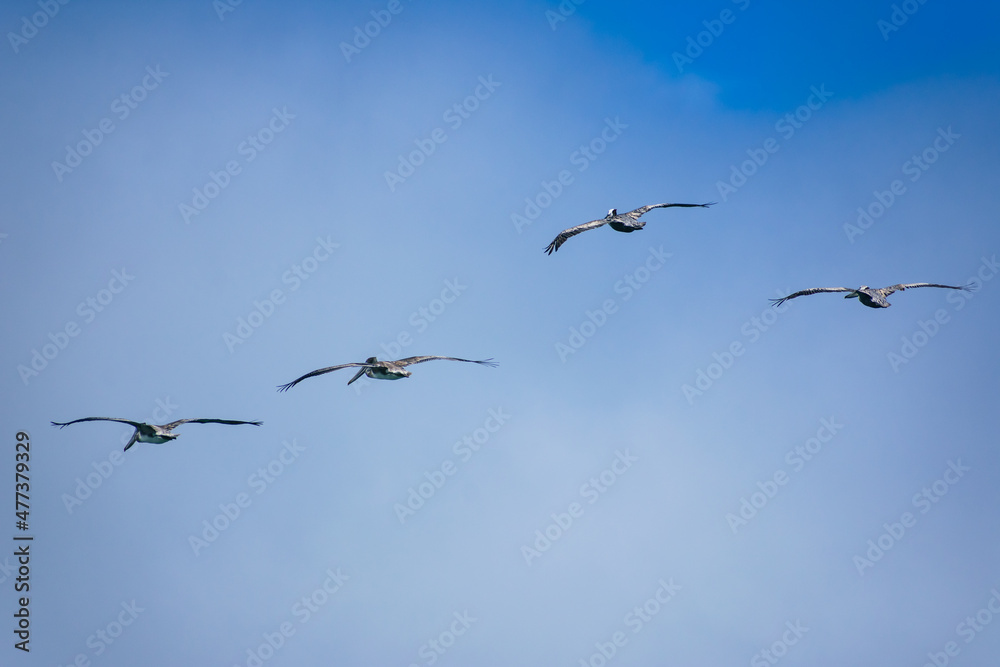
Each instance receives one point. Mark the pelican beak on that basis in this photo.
(135, 437)
(358, 374)
(852, 295)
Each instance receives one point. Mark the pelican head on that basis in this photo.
(612, 213)
(855, 293)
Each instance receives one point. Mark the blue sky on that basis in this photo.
(201, 204)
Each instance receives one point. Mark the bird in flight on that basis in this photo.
(869, 296)
(620, 222)
(151, 432)
(382, 370)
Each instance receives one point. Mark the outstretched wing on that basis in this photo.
(886, 291)
(172, 425)
(321, 371)
(637, 213)
(409, 361)
(805, 292)
(99, 419)
(571, 232)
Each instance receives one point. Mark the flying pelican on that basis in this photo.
(382, 370)
(620, 222)
(869, 296)
(151, 432)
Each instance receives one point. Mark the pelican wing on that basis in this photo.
(637, 213)
(886, 291)
(172, 425)
(571, 232)
(806, 292)
(409, 361)
(99, 419)
(321, 371)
